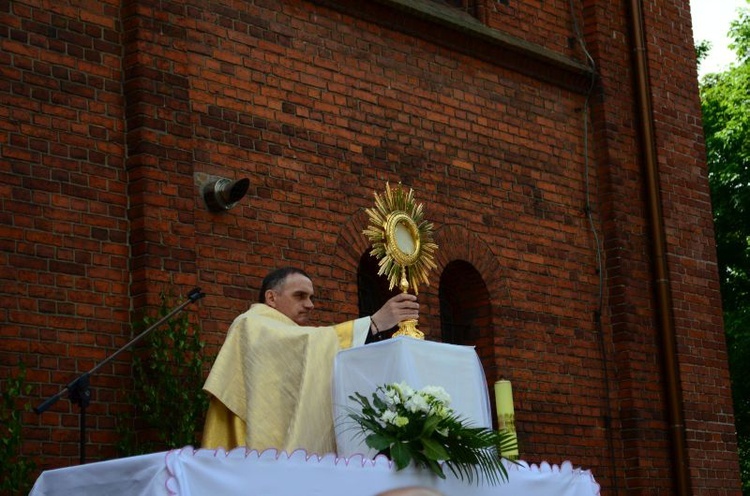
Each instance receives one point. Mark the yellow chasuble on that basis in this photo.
(271, 384)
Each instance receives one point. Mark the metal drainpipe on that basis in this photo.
(659, 253)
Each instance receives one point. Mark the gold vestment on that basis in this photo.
(271, 384)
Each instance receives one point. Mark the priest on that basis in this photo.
(270, 385)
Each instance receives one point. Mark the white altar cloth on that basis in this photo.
(189, 472)
(416, 362)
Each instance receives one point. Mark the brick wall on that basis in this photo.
(115, 114)
(65, 255)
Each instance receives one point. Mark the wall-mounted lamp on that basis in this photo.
(222, 194)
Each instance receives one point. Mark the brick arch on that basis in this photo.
(465, 308)
(351, 244)
(456, 243)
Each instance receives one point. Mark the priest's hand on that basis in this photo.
(401, 307)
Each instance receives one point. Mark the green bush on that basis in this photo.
(168, 401)
(16, 469)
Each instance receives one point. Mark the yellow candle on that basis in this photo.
(504, 398)
(506, 415)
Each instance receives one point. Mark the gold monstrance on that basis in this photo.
(402, 242)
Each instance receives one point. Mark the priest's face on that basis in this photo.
(293, 298)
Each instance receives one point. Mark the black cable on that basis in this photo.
(599, 265)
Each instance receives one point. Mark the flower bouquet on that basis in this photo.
(419, 427)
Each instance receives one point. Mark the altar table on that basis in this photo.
(189, 472)
(415, 362)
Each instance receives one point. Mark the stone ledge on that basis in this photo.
(464, 33)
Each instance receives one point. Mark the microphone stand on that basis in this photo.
(78, 389)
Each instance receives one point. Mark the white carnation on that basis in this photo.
(392, 396)
(389, 417)
(438, 393)
(405, 390)
(417, 403)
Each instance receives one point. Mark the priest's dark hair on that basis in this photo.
(275, 279)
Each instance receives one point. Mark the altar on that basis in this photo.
(189, 472)
(354, 470)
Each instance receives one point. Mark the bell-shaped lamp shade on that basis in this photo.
(222, 194)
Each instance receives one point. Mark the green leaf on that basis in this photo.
(379, 442)
(430, 425)
(368, 423)
(400, 455)
(434, 450)
(436, 468)
(378, 403)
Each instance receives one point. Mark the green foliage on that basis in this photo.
(725, 101)
(726, 123)
(701, 51)
(418, 427)
(740, 34)
(16, 469)
(168, 400)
